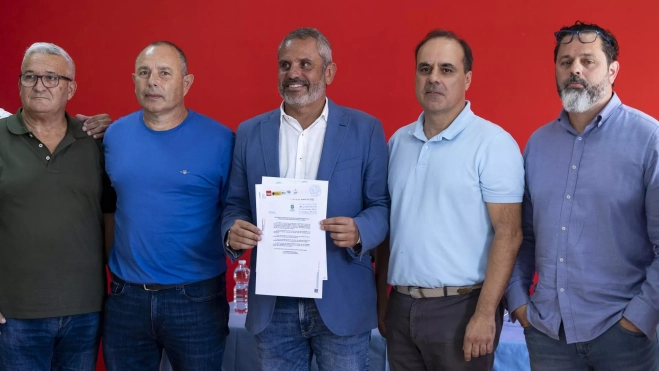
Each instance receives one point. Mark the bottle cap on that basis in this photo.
(242, 261)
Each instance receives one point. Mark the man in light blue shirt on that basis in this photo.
(591, 221)
(456, 183)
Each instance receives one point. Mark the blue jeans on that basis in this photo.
(617, 349)
(67, 343)
(296, 333)
(190, 322)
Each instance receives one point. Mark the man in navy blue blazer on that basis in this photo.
(310, 137)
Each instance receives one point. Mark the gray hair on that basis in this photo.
(324, 47)
(48, 48)
(179, 51)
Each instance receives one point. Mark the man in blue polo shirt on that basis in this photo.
(591, 221)
(169, 166)
(456, 184)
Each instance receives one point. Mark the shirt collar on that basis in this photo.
(457, 126)
(601, 117)
(283, 115)
(16, 125)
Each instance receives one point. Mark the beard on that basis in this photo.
(581, 100)
(314, 91)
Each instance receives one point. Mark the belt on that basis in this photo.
(158, 287)
(151, 287)
(437, 292)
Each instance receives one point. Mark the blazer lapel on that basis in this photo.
(337, 125)
(270, 143)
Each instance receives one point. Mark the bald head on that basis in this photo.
(150, 49)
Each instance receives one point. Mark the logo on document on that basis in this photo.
(268, 193)
(292, 207)
(314, 190)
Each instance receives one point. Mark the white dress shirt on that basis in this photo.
(4, 113)
(300, 150)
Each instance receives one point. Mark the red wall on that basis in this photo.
(231, 48)
(232, 45)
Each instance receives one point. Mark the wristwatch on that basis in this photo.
(358, 246)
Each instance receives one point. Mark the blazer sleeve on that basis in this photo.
(373, 220)
(238, 206)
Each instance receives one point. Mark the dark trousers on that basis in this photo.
(190, 322)
(617, 349)
(428, 334)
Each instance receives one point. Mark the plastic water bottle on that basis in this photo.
(241, 276)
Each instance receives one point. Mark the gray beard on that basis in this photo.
(581, 100)
(315, 92)
(577, 101)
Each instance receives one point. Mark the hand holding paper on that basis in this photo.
(243, 235)
(343, 230)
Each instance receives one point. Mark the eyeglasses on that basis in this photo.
(50, 81)
(585, 36)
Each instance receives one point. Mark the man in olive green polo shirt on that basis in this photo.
(52, 198)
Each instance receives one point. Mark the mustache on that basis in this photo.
(296, 81)
(574, 79)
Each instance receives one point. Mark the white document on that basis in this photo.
(323, 199)
(291, 255)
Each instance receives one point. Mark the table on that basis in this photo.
(240, 351)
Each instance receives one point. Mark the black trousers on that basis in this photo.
(428, 334)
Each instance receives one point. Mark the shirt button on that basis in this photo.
(561, 260)
(47, 157)
(562, 289)
(426, 147)
(580, 138)
(574, 167)
(568, 197)
(40, 145)
(562, 228)
(31, 135)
